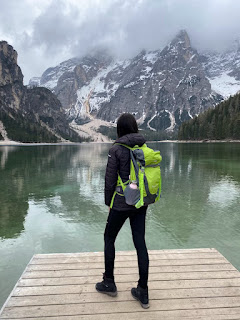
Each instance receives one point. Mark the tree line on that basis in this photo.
(149, 135)
(21, 129)
(222, 122)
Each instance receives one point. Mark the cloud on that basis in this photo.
(46, 33)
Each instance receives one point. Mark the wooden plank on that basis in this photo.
(142, 316)
(96, 265)
(129, 253)
(203, 314)
(91, 297)
(164, 256)
(127, 270)
(31, 288)
(129, 259)
(126, 264)
(156, 274)
(119, 307)
(219, 317)
(130, 278)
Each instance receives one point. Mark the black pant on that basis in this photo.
(115, 222)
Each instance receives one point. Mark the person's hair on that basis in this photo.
(126, 124)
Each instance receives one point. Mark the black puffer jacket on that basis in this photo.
(119, 162)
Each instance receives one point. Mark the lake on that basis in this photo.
(52, 200)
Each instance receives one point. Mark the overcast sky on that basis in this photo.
(47, 32)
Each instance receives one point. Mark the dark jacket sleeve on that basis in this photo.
(111, 175)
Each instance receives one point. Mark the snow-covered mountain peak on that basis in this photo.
(50, 77)
(181, 43)
(179, 50)
(181, 40)
(161, 88)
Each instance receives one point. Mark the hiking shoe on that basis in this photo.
(107, 286)
(141, 295)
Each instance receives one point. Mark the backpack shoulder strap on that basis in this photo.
(132, 158)
(124, 145)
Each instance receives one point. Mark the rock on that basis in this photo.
(9, 70)
(28, 113)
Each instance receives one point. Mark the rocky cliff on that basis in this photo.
(28, 114)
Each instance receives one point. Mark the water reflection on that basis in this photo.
(4, 155)
(224, 193)
(194, 175)
(67, 179)
(27, 172)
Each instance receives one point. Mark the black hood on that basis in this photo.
(132, 139)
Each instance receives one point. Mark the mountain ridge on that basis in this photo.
(162, 88)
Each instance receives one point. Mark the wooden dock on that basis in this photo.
(183, 284)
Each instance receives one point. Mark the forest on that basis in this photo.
(21, 129)
(219, 123)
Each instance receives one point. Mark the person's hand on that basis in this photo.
(109, 209)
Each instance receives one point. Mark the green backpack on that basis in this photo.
(144, 184)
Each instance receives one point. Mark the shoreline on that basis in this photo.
(200, 141)
(22, 144)
(9, 143)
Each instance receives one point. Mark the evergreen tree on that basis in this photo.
(221, 122)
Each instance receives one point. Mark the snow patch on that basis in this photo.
(190, 114)
(143, 77)
(142, 118)
(172, 119)
(148, 69)
(225, 85)
(91, 96)
(151, 57)
(148, 123)
(86, 68)
(129, 85)
(189, 81)
(123, 63)
(191, 58)
(56, 72)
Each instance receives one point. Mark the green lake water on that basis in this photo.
(52, 200)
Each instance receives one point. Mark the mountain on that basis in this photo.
(28, 114)
(161, 88)
(223, 70)
(222, 122)
(164, 87)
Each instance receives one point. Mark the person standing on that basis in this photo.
(119, 163)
